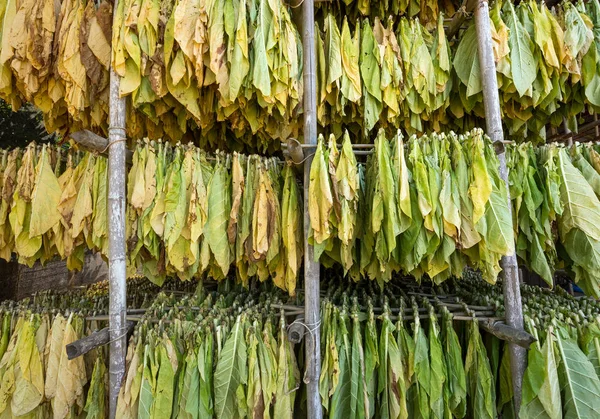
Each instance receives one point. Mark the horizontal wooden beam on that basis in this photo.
(96, 144)
(508, 333)
(95, 340)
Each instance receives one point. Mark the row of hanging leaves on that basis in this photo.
(394, 76)
(36, 377)
(547, 65)
(426, 12)
(399, 75)
(187, 213)
(194, 64)
(231, 359)
(428, 208)
(181, 64)
(439, 204)
(562, 379)
(555, 193)
(405, 359)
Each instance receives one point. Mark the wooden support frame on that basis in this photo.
(510, 269)
(117, 262)
(310, 323)
(312, 303)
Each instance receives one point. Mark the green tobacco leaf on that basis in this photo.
(581, 206)
(219, 204)
(332, 50)
(499, 226)
(438, 369)
(456, 381)
(341, 400)
(95, 404)
(240, 57)
(466, 62)
(165, 385)
(480, 381)
(230, 373)
(579, 383)
(358, 387)
(523, 65)
(549, 394)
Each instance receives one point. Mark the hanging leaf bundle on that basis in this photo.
(426, 209)
(57, 56)
(37, 378)
(555, 196)
(394, 74)
(206, 62)
(562, 378)
(47, 204)
(183, 65)
(188, 214)
(230, 359)
(385, 354)
(425, 11)
(547, 63)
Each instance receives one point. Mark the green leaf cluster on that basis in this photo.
(392, 74)
(555, 196)
(561, 379)
(427, 207)
(415, 362)
(223, 355)
(547, 65)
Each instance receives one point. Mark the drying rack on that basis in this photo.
(118, 155)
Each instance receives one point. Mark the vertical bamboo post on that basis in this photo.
(510, 270)
(116, 237)
(311, 268)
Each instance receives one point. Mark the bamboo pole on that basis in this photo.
(491, 101)
(116, 237)
(311, 268)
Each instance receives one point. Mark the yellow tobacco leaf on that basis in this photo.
(29, 377)
(98, 43)
(320, 199)
(260, 237)
(238, 190)
(137, 181)
(83, 209)
(69, 386)
(45, 199)
(55, 349)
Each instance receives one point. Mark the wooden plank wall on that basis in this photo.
(19, 281)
